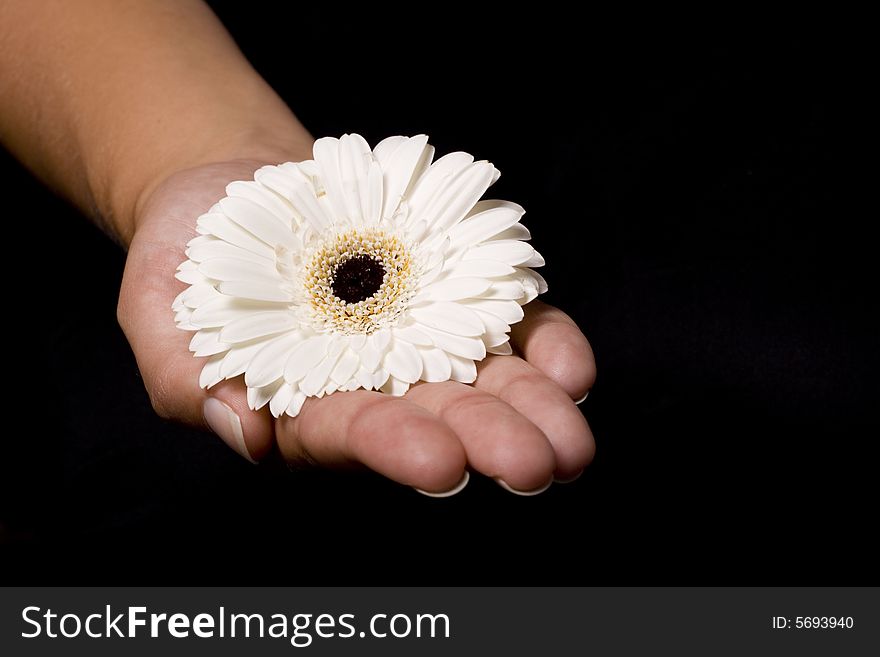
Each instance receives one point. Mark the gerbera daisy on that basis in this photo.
(359, 269)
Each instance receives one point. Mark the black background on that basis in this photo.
(683, 190)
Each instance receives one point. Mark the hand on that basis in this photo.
(517, 423)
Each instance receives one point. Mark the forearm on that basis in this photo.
(104, 99)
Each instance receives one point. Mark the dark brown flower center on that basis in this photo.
(357, 278)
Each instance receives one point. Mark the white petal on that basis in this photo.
(268, 364)
(472, 348)
(512, 252)
(509, 311)
(259, 222)
(491, 218)
(452, 289)
(454, 202)
(296, 403)
(199, 295)
(411, 334)
(493, 323)
(187, 272)
(355, 157)
(380, 376)
(326, 152)
(221, 226)
(258, 325)
(346, 367)
(264, 197)
(379, 340)
(503, 349)
(449, 317)
(259, 397)
(319, 214)
(260, 290)
(236, 269)
(485, 268)
(210, 374)
(386, 148)
(206, 247)
(435, 180)
(537, 260)
(207, 343)
(515, 232)
(435, 364)
(307, 355)
(542, 284)
(224, 309)
(505, 289)
(370, 356)
(399, 170)
(317, 377)
(463, 369)
(281, 400)
(364, 377)
(403, 362)
(239, 357)
(395, 387)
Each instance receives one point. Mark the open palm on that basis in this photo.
(517, 423)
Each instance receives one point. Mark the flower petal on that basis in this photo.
(258, 325)
(326, 152)
(281, 400)
(317, 377)
(463, 369)
(399, 170)
(403, 362)
(259, 222)
(410, 333)
(449, 317)
(264, 197)
(256, 290)
(509, 311)
(512, 252)
(259, 397)
(296, 403)
(222, 227)
(457, 345)
(485, 268)
(206, 247)
(346, 367)
(491, 218)
(210, 374)
(305, 356)
(268, 365)
(239, 357)
(237, 269)
(452, 289)
(436, 367)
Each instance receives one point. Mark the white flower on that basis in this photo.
(358, 269)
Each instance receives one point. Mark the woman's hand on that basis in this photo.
(516, 423)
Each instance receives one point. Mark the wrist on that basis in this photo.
(119, 201)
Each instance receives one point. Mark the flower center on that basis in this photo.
(357, 278)
(356, 282)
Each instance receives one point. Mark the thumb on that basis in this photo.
(169, 370)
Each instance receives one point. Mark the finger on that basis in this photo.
(170, 373)
(499, 442)
(546, 405)
(551, 341)
(390, 435)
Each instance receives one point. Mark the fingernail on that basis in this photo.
(569, 480)
(584, 398)
(226, 424)
(524, 493)
(452, 491)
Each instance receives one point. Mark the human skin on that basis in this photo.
(140, 112)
